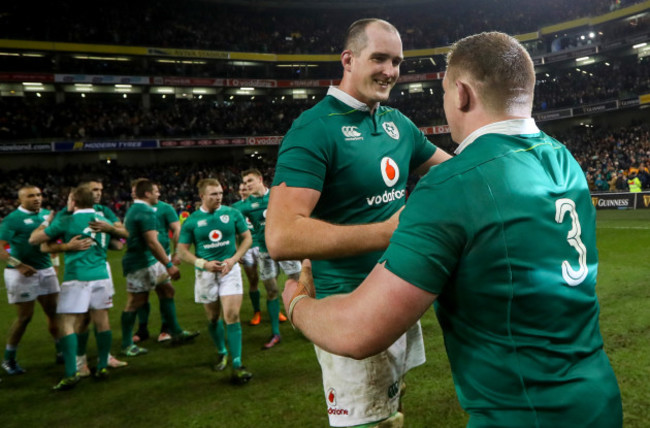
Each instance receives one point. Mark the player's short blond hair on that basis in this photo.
(83, 196)
(500, 68)
(205, 182)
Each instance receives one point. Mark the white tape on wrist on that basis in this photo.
(292, 305)
(200, 263)
(14, 262)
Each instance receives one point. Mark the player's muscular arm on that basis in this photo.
(292, 234)
(151, 238)
(386, 305)
(116, 230)
(438, 157)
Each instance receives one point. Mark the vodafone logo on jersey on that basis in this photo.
(389, 171)
(390, 174)
(215, 235)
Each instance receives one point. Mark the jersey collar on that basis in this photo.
(505, 127)
(140, 201)
(203, 210)
(346, 98)
(84, 210)
(26, 211)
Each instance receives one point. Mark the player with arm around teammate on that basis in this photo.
(510, 259)
(213, 230)
(86, 287)
(116, 232)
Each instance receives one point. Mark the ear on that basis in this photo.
(464, 95)
(346, 59)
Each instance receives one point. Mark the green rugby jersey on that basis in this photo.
(511, 254)
(214, 235)
(140, 218)
(254, 209)
(360, 163)
(237, 205)
(89, 264)
(16, 228)
(165, 216)
(103, 209)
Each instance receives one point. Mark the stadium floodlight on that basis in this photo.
(299, 91)
(246, 89)
(9, 54)
(639, 45)
(582, 59)
(32, 84)
(164, 90)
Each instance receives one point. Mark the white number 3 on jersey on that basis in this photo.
(571, 276)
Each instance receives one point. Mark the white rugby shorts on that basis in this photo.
(269, 267)
(21, 288)
(250, 257)
(209, 286)
(146, 279)
(77, 297)
(366, 391)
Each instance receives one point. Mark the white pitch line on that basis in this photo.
(624, 227)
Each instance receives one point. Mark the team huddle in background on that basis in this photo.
(84, 231)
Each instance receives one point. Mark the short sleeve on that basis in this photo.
(303, 157)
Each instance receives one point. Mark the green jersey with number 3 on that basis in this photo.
(504, 234)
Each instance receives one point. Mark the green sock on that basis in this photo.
(128, 320)
(255, 300)
(164, 326)
(10, 354)
(234, 343)
(104, 340)
(82, 342)
(273, 307)
(168, 309)
(143, 315)
(218, 335)
(69, 349)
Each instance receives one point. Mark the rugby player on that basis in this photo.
(213, 231)
(340, 179)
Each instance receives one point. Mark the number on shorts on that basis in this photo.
(571, 276)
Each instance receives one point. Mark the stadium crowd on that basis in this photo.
(607, 156)
(104, 116)
(228, 27)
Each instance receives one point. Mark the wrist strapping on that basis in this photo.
(14, 262)
(200, 263)
(292, 305)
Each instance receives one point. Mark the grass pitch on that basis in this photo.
(174, 387)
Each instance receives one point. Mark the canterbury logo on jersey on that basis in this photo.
(351, 133)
